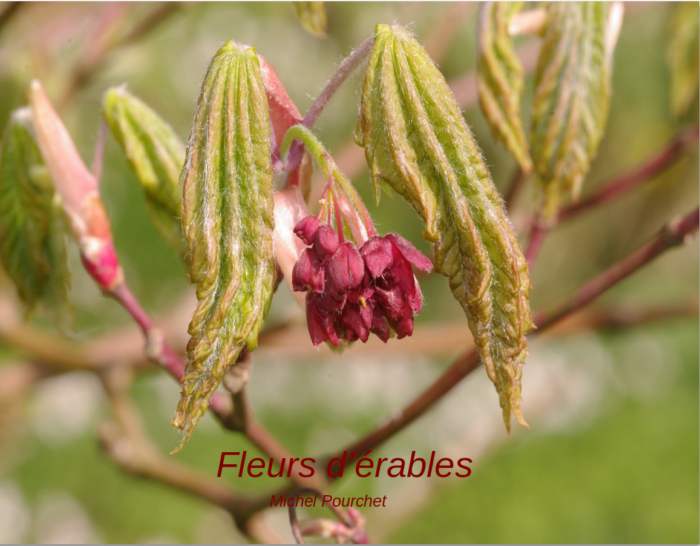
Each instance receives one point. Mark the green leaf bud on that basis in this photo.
(417, 143)
(227, 221)
(572, 98)
(155, 154)
(499, 78)
(32, 224)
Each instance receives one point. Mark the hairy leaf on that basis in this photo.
(683, 56)
(499, 78)
(572, 96)
(227, 220)
(32, 226)
(313, 17)
(156, 155)
(417, 143)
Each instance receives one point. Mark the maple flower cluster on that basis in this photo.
(353, 292)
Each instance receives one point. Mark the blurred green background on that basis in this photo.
(612, 454)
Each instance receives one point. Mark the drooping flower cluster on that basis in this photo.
(353, 292)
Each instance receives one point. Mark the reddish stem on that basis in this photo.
(663, 159)
(457, 371)
(338, 219)
(538, 234)
(670, 236)
(157, 349)
(345, 70)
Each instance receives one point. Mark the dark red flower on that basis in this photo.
(306, 229)
(308, 272)
(345, 269)
(325, 241)
(351, 292)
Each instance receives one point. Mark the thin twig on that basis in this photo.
(129, 447)
(160, 352)
(157, 349)
(538, 234)
(674, 234)
(294, 522)
(345, 70)
(663, 159)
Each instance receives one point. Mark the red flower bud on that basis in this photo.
(306, 229)
(326, 241)
(346, 269)
(358, 319)
(308, 273)
(321, 327)
(378, 255)
(410, 252)
(351, 292)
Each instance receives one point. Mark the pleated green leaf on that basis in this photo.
(572, 98)
(227, 220)
(499, 78)
(682, 56)
(156, 155)
(313, 17)
(32, 226)
(417, 143)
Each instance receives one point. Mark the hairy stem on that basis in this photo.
(345, 70)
